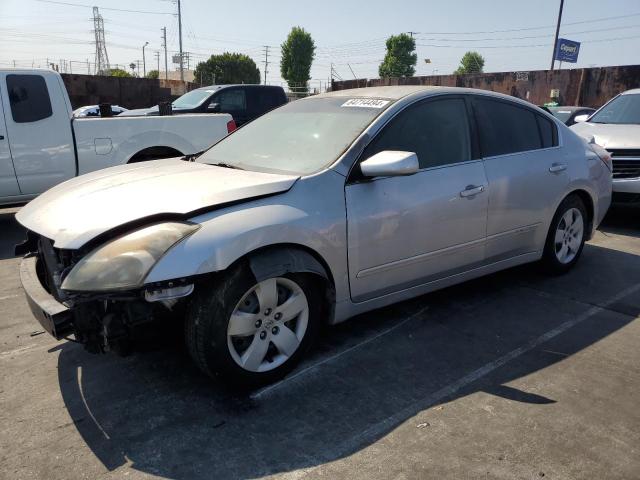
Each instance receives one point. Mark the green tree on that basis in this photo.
(471, 62)
(118, 72)
(400, 59)
(298, 52)
(227, 68)
(153, 74)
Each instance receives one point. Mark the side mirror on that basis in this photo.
(390, 163)
(213, 107)
(581, 118)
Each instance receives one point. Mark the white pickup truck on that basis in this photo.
(41, 144)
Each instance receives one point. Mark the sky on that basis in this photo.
(510, 34)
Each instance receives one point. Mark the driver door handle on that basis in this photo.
(1, 137)
(557, 167)
(471, 190)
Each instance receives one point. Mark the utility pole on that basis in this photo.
(157, 54)
(266, 62)
(413, 33)
(164, 44)
(180, 37)
(144, 61)
(555, 42)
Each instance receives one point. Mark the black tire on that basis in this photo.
(208, 316)
(550, 260)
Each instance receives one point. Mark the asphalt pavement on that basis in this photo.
(515, 375)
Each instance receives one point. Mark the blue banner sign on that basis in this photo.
(567, 50)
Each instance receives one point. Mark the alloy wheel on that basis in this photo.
(268, 324)
(569, 234)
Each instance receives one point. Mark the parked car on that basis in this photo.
(616, 127)
(243, 102)
(41, 144)
(567, 115)
(94, 111)
(320, 210)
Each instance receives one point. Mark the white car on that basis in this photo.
(616, 127)
(319, 210)
(42, 144)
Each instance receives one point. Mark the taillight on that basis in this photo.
(602, 154)
(231, 126)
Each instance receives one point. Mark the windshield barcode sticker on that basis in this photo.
(365, 103)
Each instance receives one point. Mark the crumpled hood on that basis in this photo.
(82, 208)
(609, 135)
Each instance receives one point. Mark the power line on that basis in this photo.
(104, 8)
(602, 19)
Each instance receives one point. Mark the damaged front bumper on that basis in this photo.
(55, 317)
(100, 321)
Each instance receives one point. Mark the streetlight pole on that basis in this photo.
(144, 61)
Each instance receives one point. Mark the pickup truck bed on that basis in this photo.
(41, 144)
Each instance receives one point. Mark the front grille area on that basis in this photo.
(626, 163)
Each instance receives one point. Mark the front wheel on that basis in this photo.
(253, 331)
(566, 236)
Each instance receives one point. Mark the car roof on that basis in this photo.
(396, 93)
(248, 85)
(633, 91)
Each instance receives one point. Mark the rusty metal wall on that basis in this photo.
(590, 87)
(126, 92)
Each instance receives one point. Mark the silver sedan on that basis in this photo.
(322, 209)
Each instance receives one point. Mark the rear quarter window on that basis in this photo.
(548, 132)
(505, 128)
(29, 98)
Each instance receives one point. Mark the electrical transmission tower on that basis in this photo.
(102, 59)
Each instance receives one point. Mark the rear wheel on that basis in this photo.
(566, 236)
(253, 331)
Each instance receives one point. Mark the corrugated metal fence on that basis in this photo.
(590, 87)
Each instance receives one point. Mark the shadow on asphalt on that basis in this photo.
(157, 411)
(11, 234)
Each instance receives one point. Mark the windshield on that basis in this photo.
(624, 109)
(561, 114)
(192, 99)
(301, 137)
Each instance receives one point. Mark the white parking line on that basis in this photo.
(412, 410)
(261, 393)
(454, 387)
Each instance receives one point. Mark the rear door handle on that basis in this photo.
(557, 167)
(1, 137)
(471, 190)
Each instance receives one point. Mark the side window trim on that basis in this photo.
(353, 173)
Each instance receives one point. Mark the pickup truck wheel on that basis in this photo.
(566, 236)
(252, 331)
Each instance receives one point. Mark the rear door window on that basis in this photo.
(232, 100)
(437, 131)
(505, 128)
(28, 98)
